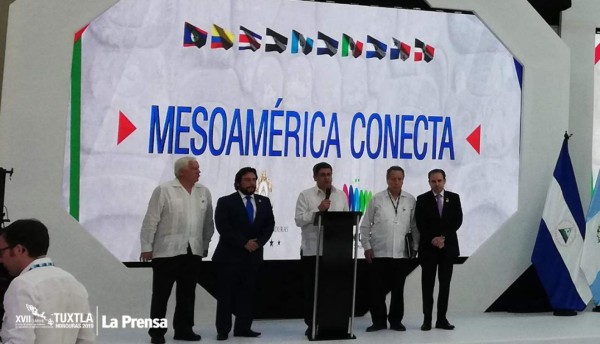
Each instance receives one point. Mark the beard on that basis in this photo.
(248, 190)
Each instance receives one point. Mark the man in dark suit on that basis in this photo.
(245, 223)
(439, 215)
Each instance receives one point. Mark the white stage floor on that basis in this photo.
(484, 328)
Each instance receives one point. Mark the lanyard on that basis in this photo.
(35, 266)
(395, 205)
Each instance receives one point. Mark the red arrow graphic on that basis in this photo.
(474, 139)
(125, 128)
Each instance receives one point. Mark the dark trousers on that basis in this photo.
(183, 269)
(235, 295)
(443, 266)
(308, 270)
(387, 275)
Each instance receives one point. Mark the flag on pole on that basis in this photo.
(558, 247)
(590, 258)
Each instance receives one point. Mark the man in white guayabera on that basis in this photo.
(175, 234)
(44, 304)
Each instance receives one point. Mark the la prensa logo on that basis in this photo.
(221, 38)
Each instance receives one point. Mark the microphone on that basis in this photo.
(327, 194)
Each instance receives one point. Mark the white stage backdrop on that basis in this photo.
(281, 85)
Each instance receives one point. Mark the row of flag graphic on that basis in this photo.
(566, 255)
(326, 45)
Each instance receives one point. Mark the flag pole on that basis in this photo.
(565, 312)
(562, 223)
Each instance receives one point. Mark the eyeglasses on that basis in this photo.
(5, 248)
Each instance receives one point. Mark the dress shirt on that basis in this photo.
(383, 228)
(307, 206)
(176, 218)
(51, 290)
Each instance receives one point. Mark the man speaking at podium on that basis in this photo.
(322, 197)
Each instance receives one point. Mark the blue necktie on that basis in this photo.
(250, 208)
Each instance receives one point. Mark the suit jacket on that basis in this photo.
(431, 224)
(235, 229)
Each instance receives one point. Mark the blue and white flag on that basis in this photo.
(557, 251)
(590, 258)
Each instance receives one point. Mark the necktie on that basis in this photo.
(250, 208)
(440, 203)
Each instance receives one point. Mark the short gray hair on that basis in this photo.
(182, 163)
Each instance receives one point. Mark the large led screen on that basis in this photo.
(280, 85)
